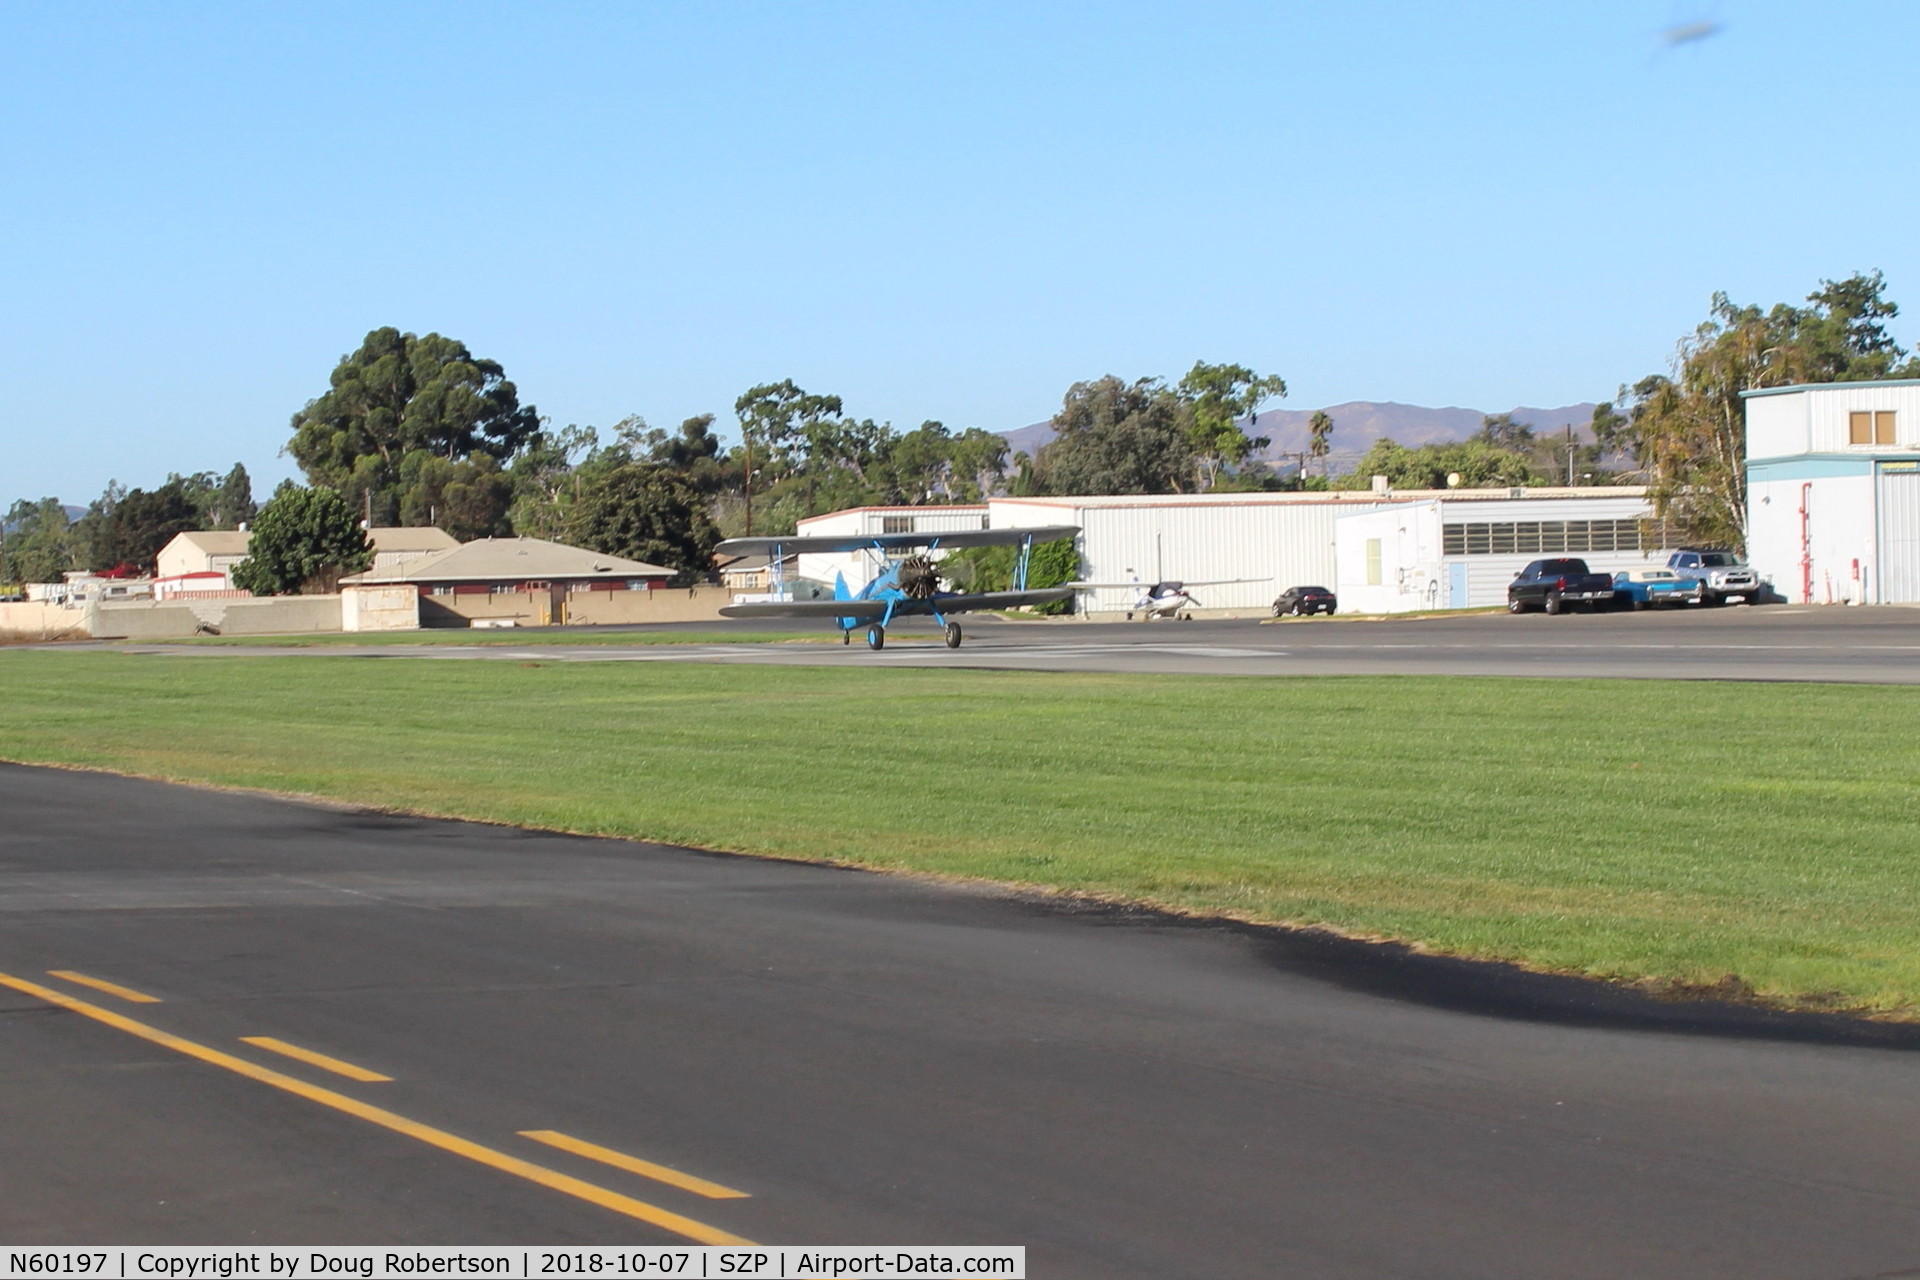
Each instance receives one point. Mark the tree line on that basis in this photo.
(1681, 433)
(417, 430)
(122, 530)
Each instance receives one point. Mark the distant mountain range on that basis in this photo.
(1358, 423)
(73, 513)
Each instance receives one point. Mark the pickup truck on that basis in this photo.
(1722, 575)
(1554, 584)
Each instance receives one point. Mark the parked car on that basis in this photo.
(1554, 584)
(1301, 600)
(1723, 575)
(1645, 588)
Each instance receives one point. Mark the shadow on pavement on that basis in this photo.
(1495, 989)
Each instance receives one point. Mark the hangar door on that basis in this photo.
(1898, 502)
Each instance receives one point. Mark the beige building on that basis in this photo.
(204, 553)
(395, 547)
(519, 582)
(200, 563)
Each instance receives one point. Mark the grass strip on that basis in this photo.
(505, 636)
(1734, 837)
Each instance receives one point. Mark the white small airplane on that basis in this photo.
(1161, 599)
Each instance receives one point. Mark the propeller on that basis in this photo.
(917, 578)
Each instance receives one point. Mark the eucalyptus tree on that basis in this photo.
(786, 423)
(1219, 396)
(401, 399)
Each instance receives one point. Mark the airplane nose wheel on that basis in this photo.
(953, 635)
(876, 637)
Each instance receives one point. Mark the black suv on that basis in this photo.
(1299, 600)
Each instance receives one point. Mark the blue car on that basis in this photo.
(1645, 588)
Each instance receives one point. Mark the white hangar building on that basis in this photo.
(1461, 550)
(1833, 491)
(1381, 550)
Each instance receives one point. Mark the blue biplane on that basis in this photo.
(907, 585)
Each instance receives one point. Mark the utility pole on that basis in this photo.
(746, 473)
(1569, 427)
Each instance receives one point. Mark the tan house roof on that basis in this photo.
(216, 542)
(429, 538)
(233, 542)
(513, 560)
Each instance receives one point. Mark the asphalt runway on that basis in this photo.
(1773, 642)
(868, 1059)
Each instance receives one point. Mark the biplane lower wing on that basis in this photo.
(872, 610)
(859, 610)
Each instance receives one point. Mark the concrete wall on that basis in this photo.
(36, 621)
(667, 604)
(519, 608)
(155, 620)
(584, 608)
(380, 608)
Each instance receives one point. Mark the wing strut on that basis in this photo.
(1020, 565)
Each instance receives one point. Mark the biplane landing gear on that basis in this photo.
(953, 635)
(876, 636)
(846, 636)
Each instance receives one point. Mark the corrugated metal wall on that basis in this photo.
(1276, 546)
(1828, 407)
(1898, 499)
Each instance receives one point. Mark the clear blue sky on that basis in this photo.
(934, 211)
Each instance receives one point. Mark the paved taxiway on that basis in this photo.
(1776, 642)
(870, 1059)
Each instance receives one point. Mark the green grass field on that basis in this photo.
(509, 636)
(1666, 834)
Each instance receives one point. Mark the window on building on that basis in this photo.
(896, 524)
(1870, 428)
(1373, 562)
(1552, 537)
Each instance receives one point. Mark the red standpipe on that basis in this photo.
(1806, 545)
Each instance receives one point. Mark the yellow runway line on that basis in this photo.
(321, 1060)
(101, 984)
(698, 1232)
(633, 1164)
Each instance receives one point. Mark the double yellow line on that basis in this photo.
(654, 1215)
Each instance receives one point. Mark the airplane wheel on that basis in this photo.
(876, 637)
(953, 635)
(846, 637)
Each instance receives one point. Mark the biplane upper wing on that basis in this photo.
(874, 610)
(797, 545)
